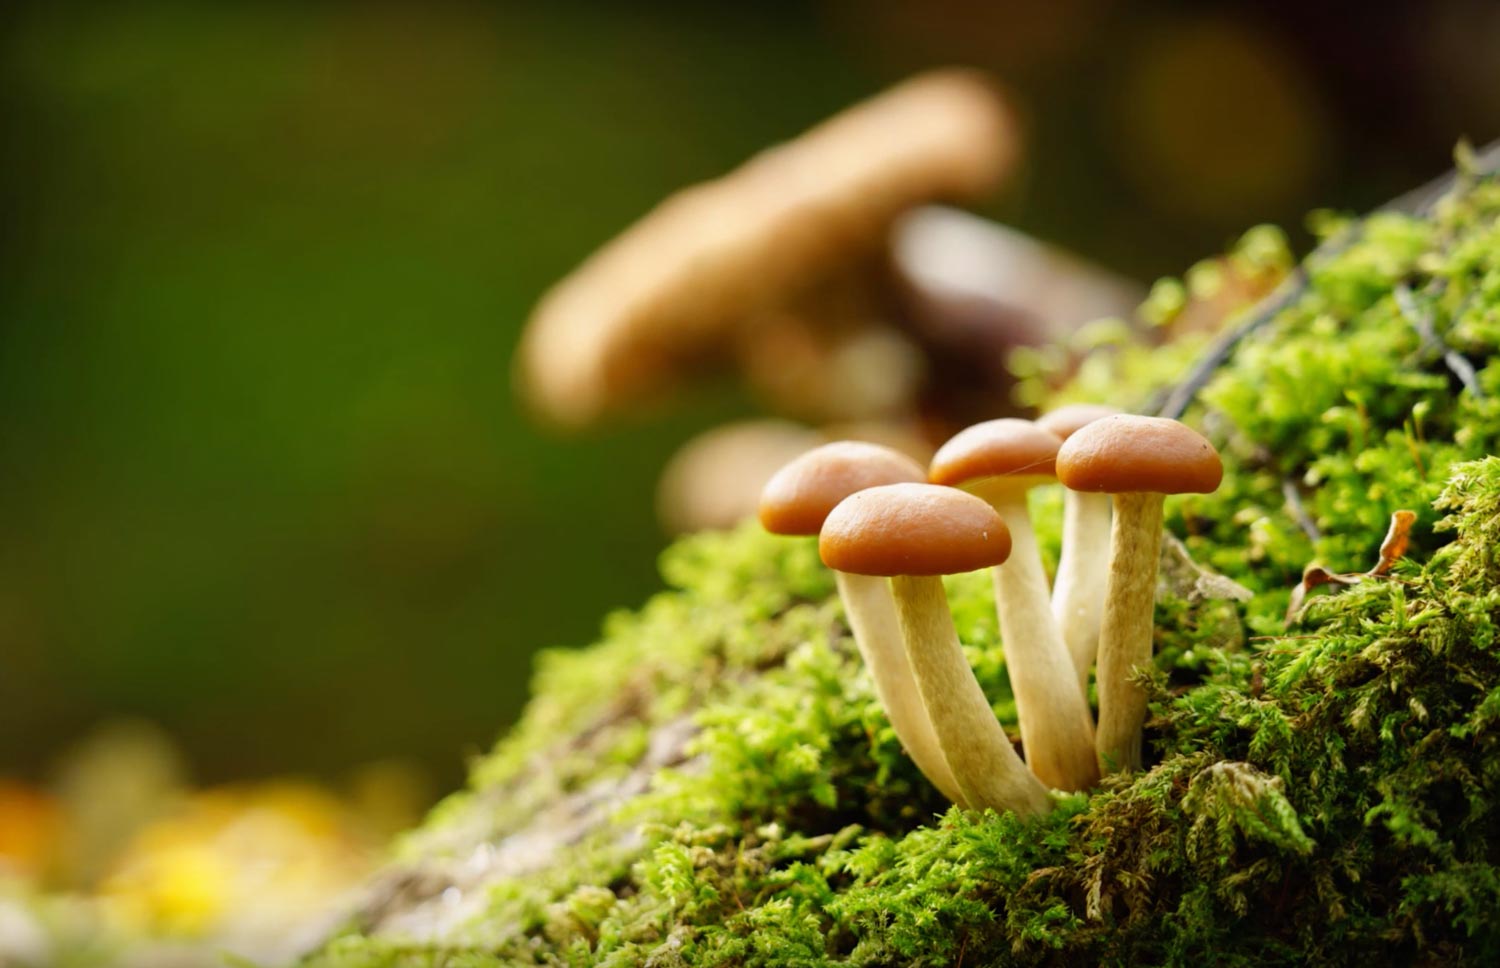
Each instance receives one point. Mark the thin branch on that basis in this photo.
(1484, 161)
(1299, 511)
(1456, 362)
(1281, 297)
(1419, 201)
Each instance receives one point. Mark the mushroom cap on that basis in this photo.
(1008, 447)
(715, 479)
(913, 529)
(1068, 420)
(1125, 453)
(798, 497)
(670, 287)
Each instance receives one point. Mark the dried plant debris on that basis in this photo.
(1178, 575)
(1397, 540)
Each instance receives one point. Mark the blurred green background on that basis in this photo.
(263, 479)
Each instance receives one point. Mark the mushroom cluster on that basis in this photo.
(891, 530)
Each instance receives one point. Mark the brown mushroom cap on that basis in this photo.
(1126, 453)
(800, 495)
(1067, 421)
(913, 529)
(673, 285)
(1007, 447)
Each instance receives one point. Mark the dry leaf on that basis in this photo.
(1179, 575)
(1392, 549)
(1396, 541)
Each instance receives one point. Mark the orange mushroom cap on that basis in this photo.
(996, 448)
(800, 495)
(913, 529)
(1125, 453)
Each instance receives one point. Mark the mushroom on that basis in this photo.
(715, 479)
(1000, 460)
(1082, 567)
(975, 290)
(796, 501)
(804, 224)
(1139, 460)
(914, 534)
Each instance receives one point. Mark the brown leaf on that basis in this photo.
(1397, 539)
(1392, 549)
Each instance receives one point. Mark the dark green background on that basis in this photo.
(262, 475)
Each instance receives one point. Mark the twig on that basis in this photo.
(1484, 161)
(1419, 201)
(1456, 362)
(1299, 512)
(1280, 298)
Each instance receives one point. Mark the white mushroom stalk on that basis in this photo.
(1083, 564)
(796, 501)
(1000, 460)
(915, 533)
(1082, 570)
(1128, 630)
(989, 772)
(1057, 727)
(1139, 460)
(872, 614)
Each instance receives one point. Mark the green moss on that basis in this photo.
(1322, 794)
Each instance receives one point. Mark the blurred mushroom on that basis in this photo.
(822, 270)
(715, 479)
(796, 235)
(903, 436)
(974, 290)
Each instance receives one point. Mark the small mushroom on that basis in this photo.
(804, 224)
(795, 502)
(1139, 460)
(714, 480)
(1083, 565)
(914, 534)
(1000, 460)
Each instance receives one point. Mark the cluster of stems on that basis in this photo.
(891, 539)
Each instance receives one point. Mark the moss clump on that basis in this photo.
(714, 783)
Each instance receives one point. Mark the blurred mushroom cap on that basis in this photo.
(715, 479)
(669, 288)
(949, 259)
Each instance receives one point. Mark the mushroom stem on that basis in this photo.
(1082, 570)
(877, 633)
(1126, 635)
(1057, 727)
(986, 766)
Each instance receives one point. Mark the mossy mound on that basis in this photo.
(714, 782)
